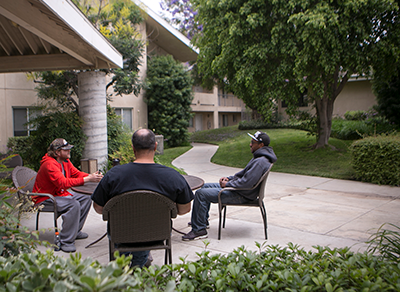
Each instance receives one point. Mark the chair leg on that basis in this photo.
(264, 216)
(219, 225)
(111, 250)
(223, 225)
(37, 220)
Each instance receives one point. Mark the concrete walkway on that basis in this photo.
(304, 210)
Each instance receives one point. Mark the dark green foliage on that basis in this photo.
(168, 96)
(117, 132)
(355, 115)
(377, 159)
(67, 125)
(386, 242)
(14, 239)
(341, 129)
(273, 268)
(388, 97)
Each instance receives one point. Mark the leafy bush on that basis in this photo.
(355, 115)
(14, 239)
(168, 96)
(386, 242)
(377, 159)
(67, 125)
(118, 134)
(273, 268)
(388, 95)
(46, 272)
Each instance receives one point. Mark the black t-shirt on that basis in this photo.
(143, 176)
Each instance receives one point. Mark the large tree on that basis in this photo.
(265, 50)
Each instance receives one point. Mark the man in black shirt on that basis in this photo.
(143, 174)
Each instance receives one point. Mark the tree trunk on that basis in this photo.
(93, 110)
(324, 107)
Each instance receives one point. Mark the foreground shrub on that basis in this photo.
(355, 115)
(14, 239)
(272, 269)
(377, 159)
(386, 242)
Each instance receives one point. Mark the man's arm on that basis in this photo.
(98, 208)
(183, 208)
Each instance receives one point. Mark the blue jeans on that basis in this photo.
(204, 197)
(139, 258)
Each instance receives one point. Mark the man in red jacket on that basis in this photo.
(56, 175)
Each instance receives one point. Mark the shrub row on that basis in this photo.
(377, 159)
(274, 269)
(341, 129)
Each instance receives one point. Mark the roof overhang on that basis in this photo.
(40, 35)
(164, 35)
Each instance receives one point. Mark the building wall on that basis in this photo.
(211, 111)
(15, 91)
(356, 95)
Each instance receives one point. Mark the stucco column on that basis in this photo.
(216, 119)
(93, 110)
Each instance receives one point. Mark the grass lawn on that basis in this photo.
(292, 147)
(170, 154)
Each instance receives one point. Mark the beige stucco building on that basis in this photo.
(356, 95)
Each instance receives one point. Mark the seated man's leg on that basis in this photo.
(85, 202)
(70, 210)
(200, 210)
(139, 258)
(201, 206)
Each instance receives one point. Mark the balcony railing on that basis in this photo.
(229, 100)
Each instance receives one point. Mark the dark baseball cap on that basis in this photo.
(260, 137)
(60, 143)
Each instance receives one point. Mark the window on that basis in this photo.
(21, 116)
(126, 115)
(224, 120)
(191, 122)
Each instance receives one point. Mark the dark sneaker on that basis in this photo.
(207, 224)
(194, 235)
(68, 247)
(82, 235)
(149, 260)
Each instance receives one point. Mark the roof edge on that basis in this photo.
(166, 25)
(77, 21)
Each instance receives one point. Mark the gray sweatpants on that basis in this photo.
(73, 210)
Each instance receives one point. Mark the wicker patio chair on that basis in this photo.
(24, 180)
(256, 203)
(140, 220)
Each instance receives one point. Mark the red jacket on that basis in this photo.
(51, 180)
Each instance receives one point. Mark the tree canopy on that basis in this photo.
(168, 96)
(265, 50)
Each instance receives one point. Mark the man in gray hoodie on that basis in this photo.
(263, 156)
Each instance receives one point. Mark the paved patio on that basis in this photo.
(301, 209)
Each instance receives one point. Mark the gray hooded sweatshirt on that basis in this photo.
(249, 176)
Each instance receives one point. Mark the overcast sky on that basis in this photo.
(153, 5)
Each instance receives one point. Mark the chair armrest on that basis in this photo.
(233, 189)
(39, 195)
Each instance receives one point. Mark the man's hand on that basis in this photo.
(223, 181)
(93, 177)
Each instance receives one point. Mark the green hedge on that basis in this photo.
(273, 269)
(377, 159)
